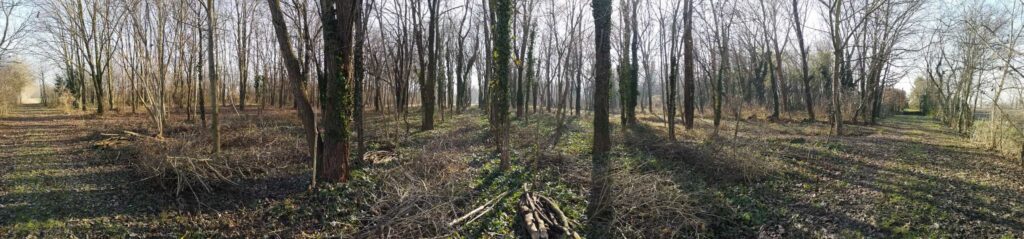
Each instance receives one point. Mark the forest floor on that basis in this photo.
(906, 177)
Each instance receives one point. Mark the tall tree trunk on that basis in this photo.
(837, 69)
(499, 89)
(521, 66)
(599, 211)
(338, 18)
(298, 86)
(624, 65)
(775, 84)
(199, 70)
(485, 85)
(804, 74)
(427, 87)
(673, 73)
(242, 41)
(688, 71)
(360, 42)
(634, 73)
(211, 16)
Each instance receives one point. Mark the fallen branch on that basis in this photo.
(479, 211)
(137, 134)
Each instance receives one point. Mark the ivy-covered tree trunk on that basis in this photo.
(599, 210)
(499, 86)
(338, 17)
(634, 73)
(626, 68)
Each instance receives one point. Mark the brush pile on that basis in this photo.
(175, 164)
(542, 218)
(252, 148)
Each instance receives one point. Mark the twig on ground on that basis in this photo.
(479, 211)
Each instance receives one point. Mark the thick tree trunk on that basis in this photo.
(305, 110)
(338, 18)
(427, 87)
(499, 90)
(599, 211)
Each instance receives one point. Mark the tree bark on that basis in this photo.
(688, 70)
(837, 70)
(599, 210)
(499, 89)
(211, 16)
(338, 18)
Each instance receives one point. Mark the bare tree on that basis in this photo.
(13, 31)
(243, 45)
(295, 76)
(688, 70)
(211, 49)
(805, 77)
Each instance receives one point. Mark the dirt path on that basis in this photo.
(50, 177)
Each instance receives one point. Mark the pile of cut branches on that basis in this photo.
(542, 218)
(176, 165)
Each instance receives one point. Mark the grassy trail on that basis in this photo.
(51, 179)
(909, 176)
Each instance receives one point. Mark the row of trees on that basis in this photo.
(442, 49)
(512, 59)
(971, 70)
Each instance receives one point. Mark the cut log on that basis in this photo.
(542, 218)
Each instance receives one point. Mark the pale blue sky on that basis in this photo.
(30, 52)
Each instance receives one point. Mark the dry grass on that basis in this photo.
(417, 196)
(772, 175)
(651, 205)
(1000, 136)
